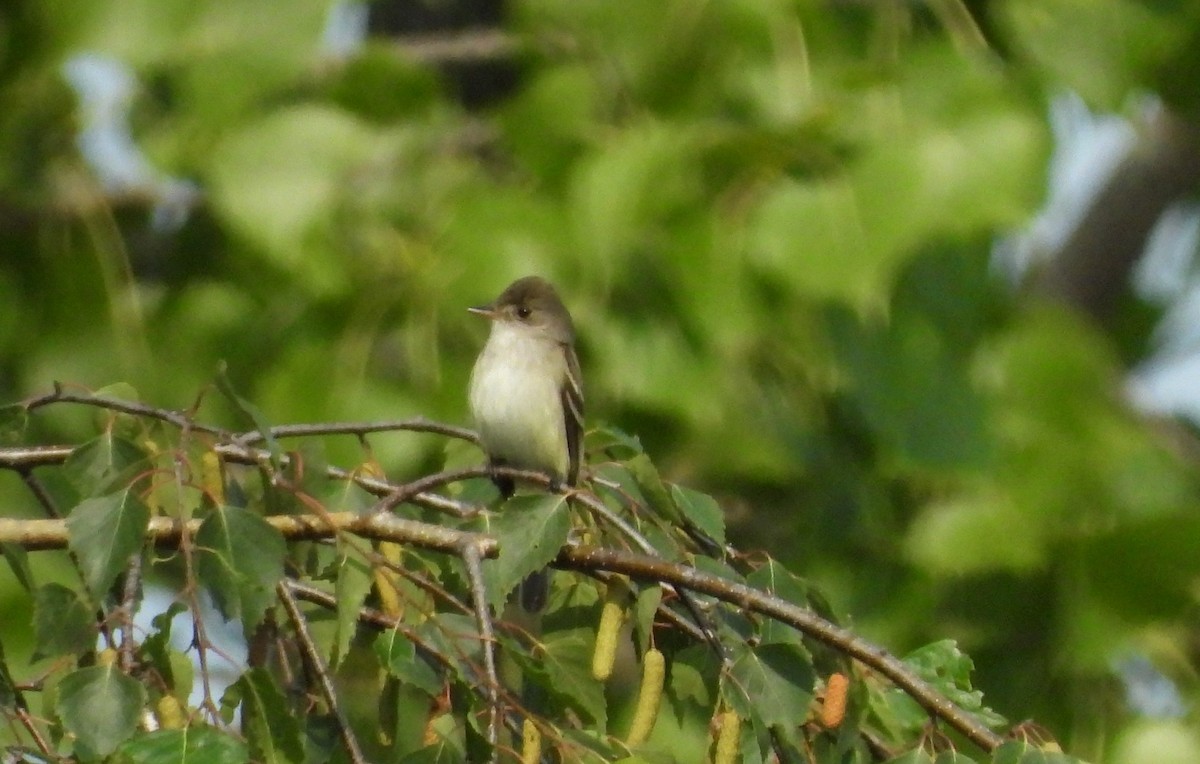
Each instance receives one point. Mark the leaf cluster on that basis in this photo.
(363, 647)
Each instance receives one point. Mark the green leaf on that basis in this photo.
(614, 443)
(123, 425)
(100, 706)
(694, 672)
(62, 623)
(156, 650)
(776, 580)
(398, 655)
(14, 420)
(270, 726)
(702, 510)
(563, 668)
(1104, 49)
(104, 533)
(103, 464)
(916, 756)
(252, 414)
(18, 559)
(645, 609)
(194, 744)
(456, 637)
(531, 529)
(241, 561)
(954, 757)
(1021, 752)
(352, 586)
(773, 682)
(8, 688)
(806, 234)
(913, 393)
(448, 748)
(1145, 569)
(260, 189)
(948, 669)
(957, 536)
(620, 192)
(654, 489)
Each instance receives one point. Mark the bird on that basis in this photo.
(526, 395)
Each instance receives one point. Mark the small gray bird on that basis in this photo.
(526, 395)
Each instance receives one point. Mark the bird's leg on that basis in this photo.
(504, 484)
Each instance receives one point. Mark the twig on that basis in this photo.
(417, 424)
(420, 486)
(469, 46)
(472, 556)
(595, 504)
(316, 664)
(30, 724)
(25, 458)
(125, 407)
(129, 597)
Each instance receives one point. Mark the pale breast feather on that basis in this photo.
(518, 410)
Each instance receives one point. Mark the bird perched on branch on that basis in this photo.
(526, 395)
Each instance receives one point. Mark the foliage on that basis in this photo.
(772, 222)
(408, 671)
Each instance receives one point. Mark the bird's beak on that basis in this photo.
(487, 311)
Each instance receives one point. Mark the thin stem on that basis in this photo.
(472, 555)
(316, 664)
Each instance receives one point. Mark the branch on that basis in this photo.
(182, 421)
(25, 458)
(471, 547)
(472, 558)
(417, 424)
(316, 664)
(802, 619)
(36, 535)
(460, 47)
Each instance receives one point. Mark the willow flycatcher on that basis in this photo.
(526, 395)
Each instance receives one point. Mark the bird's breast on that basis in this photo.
(515, 400)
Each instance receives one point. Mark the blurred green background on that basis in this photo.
(773, 221)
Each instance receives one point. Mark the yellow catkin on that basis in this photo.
(728, 736)
(387, 580)
(654, 670)
(531, 743)
(210, 476)
(605, 654)
(833, 708)
(106, 657)
(169, 712)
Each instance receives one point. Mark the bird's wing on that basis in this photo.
(572, 403)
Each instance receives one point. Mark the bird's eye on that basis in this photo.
(523, 312)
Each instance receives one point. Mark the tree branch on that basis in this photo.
(802, 619)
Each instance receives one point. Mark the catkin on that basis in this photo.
(605, 654)
(654, 670)
(728, 737)
(833, 709)
(531, 743)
